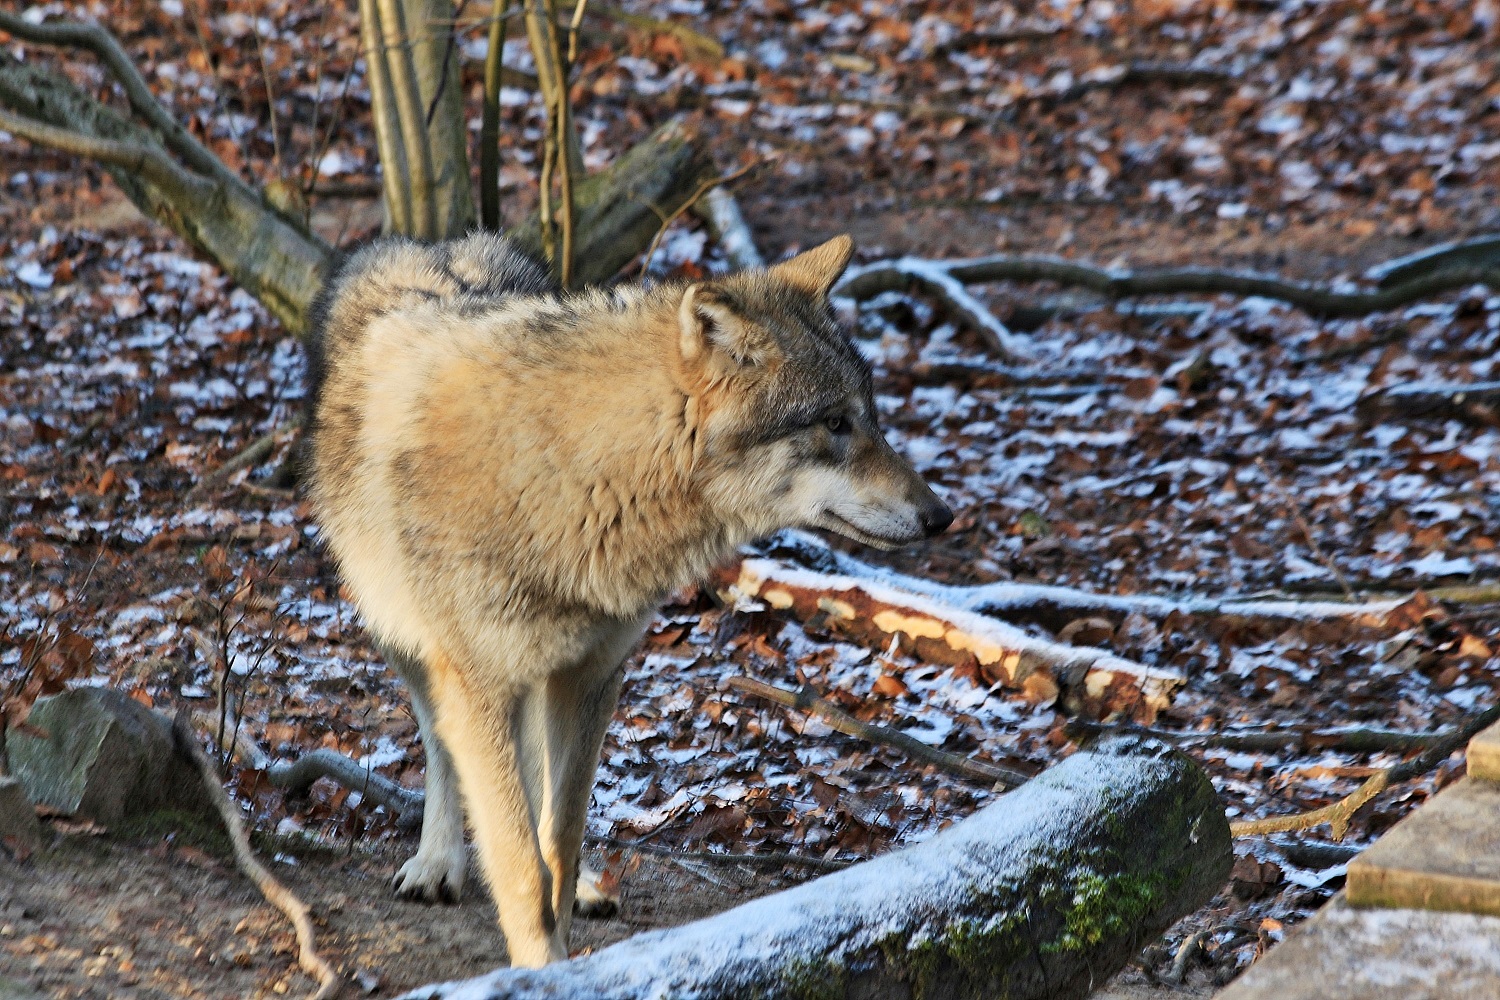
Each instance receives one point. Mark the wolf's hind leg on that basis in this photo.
(436, 872)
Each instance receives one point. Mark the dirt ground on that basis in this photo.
(151, 916)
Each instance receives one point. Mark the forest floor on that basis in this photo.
(1213, 450)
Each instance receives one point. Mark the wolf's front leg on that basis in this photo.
(579, 704)
(480, 726)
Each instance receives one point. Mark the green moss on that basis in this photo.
(1106, 906)
(814, 979)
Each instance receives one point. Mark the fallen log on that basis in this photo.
(1085, 680)
(1044, 893)
(1054, 607)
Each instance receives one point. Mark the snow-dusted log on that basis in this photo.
(1086, 680)
(1043, 894)
(1054, 607)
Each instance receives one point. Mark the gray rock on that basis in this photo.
(105, 757)
(18, 816)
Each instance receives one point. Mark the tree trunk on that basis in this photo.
(1043, 894)
(416, 91)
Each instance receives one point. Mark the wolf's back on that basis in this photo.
(397, 272)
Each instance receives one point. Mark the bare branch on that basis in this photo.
(99, 41)
(149, 162)
(720, 212)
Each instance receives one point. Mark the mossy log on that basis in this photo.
(1043, 894)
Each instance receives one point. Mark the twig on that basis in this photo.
(1186, 952)
(767, 860)
(704, 188)
(1295, 512)
(275, 893)
(250, 455)
(694, 41)
(805, 699)
(1338, 815)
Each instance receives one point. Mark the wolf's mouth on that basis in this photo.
(846, 527)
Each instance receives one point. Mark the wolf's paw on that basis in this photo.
(591, 900)
(431, 879)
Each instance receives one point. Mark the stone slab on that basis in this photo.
(1444, 856)
(1484, 754)
(95, 753)
(1349, 953)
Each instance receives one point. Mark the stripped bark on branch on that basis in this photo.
(1087, 680)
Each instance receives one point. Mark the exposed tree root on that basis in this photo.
(297, 775)
(276, 894)
(1338, 814)
(806, 699)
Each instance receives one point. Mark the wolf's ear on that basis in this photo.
(710, 326)
(815, 271)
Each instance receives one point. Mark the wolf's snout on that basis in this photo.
(935, 517)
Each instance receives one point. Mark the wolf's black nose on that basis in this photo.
(935, 517)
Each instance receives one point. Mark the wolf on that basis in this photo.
(512, 477)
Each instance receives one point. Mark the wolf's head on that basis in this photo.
(789, 431)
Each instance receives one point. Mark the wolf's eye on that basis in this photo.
(836, 424)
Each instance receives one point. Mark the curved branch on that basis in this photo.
(146, 161)
(270, 887)
(1341, 812)
(99, 41)
(1319, 300)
